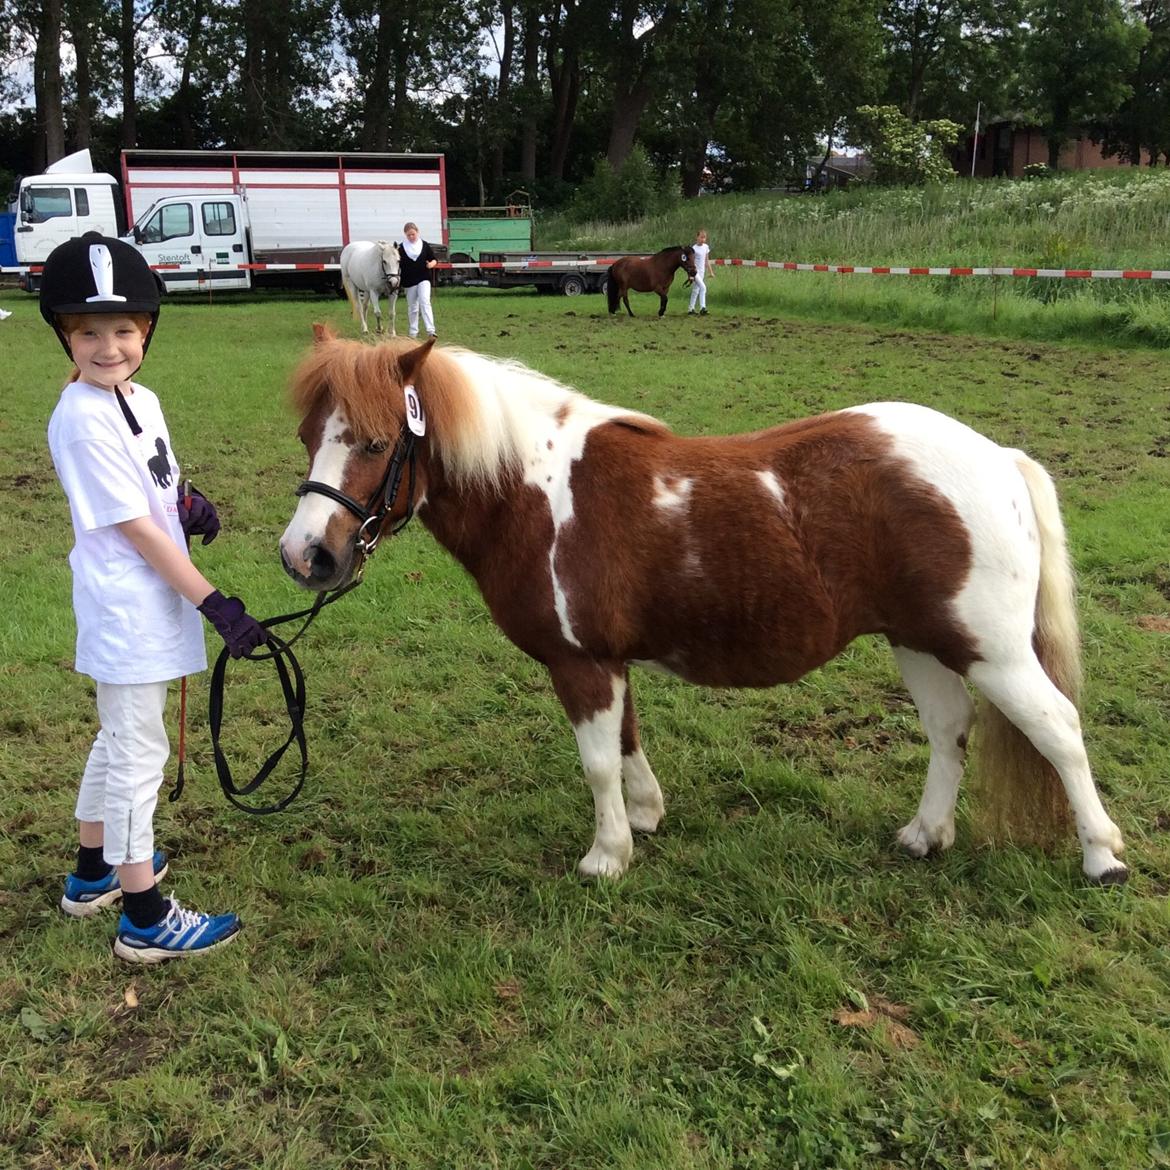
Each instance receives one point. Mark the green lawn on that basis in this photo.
(423, 981)
(1108, 219)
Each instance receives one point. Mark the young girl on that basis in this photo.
(135, 590)
(702, 253)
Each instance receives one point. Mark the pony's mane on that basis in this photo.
(482, 413)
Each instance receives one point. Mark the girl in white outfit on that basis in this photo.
(702, 253)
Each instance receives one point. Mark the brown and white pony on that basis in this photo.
(600, 539)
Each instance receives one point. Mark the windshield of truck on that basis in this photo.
(169, 222)
(43, 203)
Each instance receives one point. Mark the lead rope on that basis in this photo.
(180, 774)
(292, 684)
(288, 669)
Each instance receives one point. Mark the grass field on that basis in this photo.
(423, 981)
(1092, 219)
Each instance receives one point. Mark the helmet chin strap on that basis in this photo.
(127, 413)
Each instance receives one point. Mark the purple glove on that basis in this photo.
(242, 632)
(199, 518)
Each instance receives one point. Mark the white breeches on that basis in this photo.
(124, 771)
(418, 297)
(699, 291)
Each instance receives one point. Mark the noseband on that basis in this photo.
(375, 511)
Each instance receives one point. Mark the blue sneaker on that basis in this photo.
(82, 898)
(180, 935)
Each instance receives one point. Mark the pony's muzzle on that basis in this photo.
(316, 568)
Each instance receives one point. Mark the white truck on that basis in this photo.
(226, 219)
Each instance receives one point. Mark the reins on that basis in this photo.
(279, 650)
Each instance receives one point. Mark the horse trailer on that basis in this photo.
(226, 219)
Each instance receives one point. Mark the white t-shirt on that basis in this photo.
(132, 627)
(701, 251)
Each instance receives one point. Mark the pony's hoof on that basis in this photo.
(1118, 875)
(920, 841)
(644, 818)
(599, 864)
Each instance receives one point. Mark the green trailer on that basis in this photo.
(506, 228)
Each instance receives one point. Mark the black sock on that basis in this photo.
(146, 908)
(90, 864)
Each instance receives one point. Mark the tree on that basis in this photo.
(902, 151)
(45, 22)
(1143, 120)
(1077, 58)
(634, 43)
(563, 21)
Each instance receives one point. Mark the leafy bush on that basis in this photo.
(631, 193)
(905, 152)
(1037, 171)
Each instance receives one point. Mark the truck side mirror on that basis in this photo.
(137, 234)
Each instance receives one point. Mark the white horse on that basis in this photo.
(368, 269)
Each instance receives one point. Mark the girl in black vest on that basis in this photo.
(417, 260)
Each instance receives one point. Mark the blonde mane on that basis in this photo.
(483, 413)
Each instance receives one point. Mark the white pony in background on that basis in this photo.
(369, 269)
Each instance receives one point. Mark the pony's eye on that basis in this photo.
(376, 446)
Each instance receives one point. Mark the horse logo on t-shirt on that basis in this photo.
(160, 464)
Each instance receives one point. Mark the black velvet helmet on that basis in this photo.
(99, 274)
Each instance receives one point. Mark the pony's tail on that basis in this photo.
(1023, 797)
(611, 291)
(353, 307)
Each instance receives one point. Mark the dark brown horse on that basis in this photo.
(601, 540)
(647, 274)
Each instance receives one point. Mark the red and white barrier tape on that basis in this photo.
(782, 265)
(895, 270)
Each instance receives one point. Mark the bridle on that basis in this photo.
(393, 279)
(377, 508)
(403, 459)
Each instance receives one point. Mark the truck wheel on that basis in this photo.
(573, 285)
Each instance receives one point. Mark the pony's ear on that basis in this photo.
(413, 360)
(322, 333)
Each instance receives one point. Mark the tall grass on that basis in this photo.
(1115, 219)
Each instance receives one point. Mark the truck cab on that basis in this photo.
(196, 241)
(68, 200)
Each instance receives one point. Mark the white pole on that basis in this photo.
(975, 143)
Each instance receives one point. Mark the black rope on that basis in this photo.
(292, 684)
(279, 651)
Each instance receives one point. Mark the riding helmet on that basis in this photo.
(99, 274)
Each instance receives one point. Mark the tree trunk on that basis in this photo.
(531, 93)
(632, 77)
(255, 133)
(501, 123)
(184, 97)
(563, 64)
(629, 105)
(50, 110)
(126, 45)
(396, 122)
(564, 110)
(376, 124)
(81, 35)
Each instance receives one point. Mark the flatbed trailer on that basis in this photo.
(568, 273)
